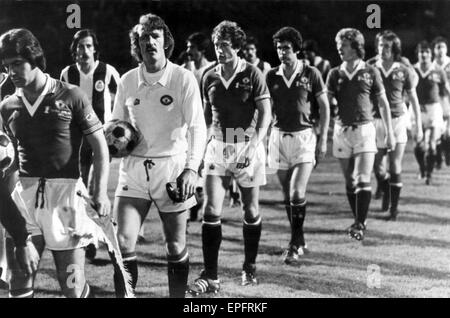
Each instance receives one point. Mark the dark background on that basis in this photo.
(413, 21)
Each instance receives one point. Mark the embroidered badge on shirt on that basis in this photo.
(166, 100)
(99, 86)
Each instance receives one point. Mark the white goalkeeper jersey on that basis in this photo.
(164, 112)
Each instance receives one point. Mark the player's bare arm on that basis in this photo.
(324, 124)
(412, 95)
(385, 111)
(101, 168)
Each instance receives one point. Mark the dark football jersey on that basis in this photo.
(431, 84)
(353, 92)
(232, 104)
(446, 68)
(49, 132)
(294, 99)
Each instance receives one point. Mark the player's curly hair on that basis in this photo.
(200, 40)
(390, 36)
(439, 39)
(81, 35)
(231, 31)
(356, 40)
(288, 34)
(150, 22)
(21, 42)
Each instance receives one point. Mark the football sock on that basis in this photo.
(439, 153)
(252, 234)
(419, 153)
(298, 208)
(396, 187)
(21, 293)
(351, 196)
(177, 272)
(211, 239)
(288, 212)
(363, 196)
(386, 193)
(130, 264)
(430, 160)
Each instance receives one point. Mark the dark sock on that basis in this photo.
(351, 196)
(430, 160)
(130, 264)
(288, 213)
(252, 234)
(396, 187)
(177, 273)
(385, 186)
(419, 153)
(211, 239)
(298, 208)
(21, 293)
(363, 196)
(439, 154)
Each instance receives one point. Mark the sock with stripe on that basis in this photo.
(298, 208)
(211, 240)
(252, 234)
(130, 264)
(396, 187)
(351, 196)
(177, 273)
(363, 196)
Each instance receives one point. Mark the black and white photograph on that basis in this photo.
(229, 154)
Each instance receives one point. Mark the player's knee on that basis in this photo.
(126, 242)
(19, 280)
(175, 248)
(211, 211)
(362, 178)
(298, 195)
(250, 210)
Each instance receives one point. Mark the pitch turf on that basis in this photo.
(406, 258)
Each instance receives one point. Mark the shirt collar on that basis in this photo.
(90, 72)
(297, 70)
(163, 80)
(239, 68)
(50, 87)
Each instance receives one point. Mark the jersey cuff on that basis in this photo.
(262, 97)
(92, 130)
(321, 92)
(380, 93)
(192, 164)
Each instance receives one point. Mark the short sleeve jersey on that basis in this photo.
(431, 84)
(49, 132)
(397, 80)
(232, 103)
(353, 92)
(446, 67)
(293, 99)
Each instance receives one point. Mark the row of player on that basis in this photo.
(163, 102)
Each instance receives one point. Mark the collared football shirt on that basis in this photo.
(431, 84)
(49, 132)
(293, 99)
(353, 92)
(231, 104)
(163, 112)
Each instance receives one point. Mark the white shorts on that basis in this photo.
(433, 117)
(399, 125)
(137, 181)
(349, 141)
(221, 159)
(58, 209)
(287, 149)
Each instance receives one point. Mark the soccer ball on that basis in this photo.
(6, 153)
(121, 137)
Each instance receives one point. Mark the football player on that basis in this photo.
(48, 119)
(162, 100)
(352, 84)
(293, 146)
(311, 53)
(440, 48)
(432, 82)
(237, 111)
(397, 79)
(250, 51)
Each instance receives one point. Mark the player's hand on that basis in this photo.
(246, 157)
(390, 141)
(419, 134)
(102, 204)
(186, 183)
(28, 257)
(321, 149)
(201, 168)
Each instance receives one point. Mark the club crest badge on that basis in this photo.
(166, 100)
(99, 86)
